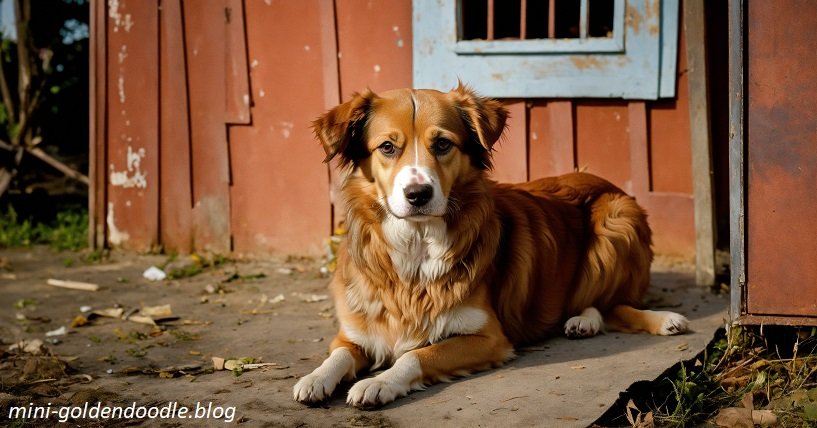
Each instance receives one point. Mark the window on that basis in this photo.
(548, 48)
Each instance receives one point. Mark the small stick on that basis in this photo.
(74, 285)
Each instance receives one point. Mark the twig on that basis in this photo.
(63, 168)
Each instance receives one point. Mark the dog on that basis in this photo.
(444, 271)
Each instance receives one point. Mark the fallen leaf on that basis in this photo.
(78, 321)
(764, 417)
(734, 417)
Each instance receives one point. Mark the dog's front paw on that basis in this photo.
(673, 324)
(313, 389)
(588, 324)
(375, 392)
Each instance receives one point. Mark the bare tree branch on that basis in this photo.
(8, 100)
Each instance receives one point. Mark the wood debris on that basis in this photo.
(73, 285)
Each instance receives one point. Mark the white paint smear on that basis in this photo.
(115, 236)
(133, 176)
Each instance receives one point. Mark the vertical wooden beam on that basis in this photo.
(737, 243)
(583, 15)
(175, 175)
(97, 122)
(694, 28)
(511, 151)
(237, 93)
(639, 150)
(552, 19)
(490, 35)
(523, 19)
(332, 97)
(562, 135)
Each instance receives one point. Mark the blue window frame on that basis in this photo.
(631, 54)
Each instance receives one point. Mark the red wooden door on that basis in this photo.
(781, 158)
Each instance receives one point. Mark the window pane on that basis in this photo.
(506, 19)
(601, 18)
(474, 19)
(537, 19)
(567, 19)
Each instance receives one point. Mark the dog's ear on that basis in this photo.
(341, 129)
(484, 118)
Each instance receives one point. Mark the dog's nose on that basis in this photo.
(418, 194)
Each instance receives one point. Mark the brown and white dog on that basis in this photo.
(444, 271)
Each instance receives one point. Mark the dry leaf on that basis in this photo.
(734, 417)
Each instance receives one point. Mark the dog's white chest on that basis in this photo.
(418, 249)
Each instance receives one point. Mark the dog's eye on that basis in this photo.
(442, 146)
(388, 149)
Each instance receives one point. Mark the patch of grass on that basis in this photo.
(69, 230)
(775, 370)
(183, 336)
(192, 265)
(24, 303)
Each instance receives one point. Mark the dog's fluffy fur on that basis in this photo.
(444, 271)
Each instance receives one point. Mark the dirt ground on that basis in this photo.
(277, 311)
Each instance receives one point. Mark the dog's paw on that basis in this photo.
(375, 392)
(673, 324)
(313, 389)
(588, 324)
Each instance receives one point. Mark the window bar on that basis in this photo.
(583, 14)
(490, 35)
(523, 19)
(551, 19)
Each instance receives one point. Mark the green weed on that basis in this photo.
(774, 371)
(69, 231)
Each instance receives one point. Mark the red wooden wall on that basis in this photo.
(215, 99)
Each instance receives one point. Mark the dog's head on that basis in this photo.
(414, 145)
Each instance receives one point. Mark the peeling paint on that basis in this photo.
(633, 18)
(307, 48)
(115, 236)
(286, 129)
(588, 61)
(254, 63)
(123, 54)
(133, 176)
(246, 99)
(376, 68)
(261, 93)
(268, 2)
(120, 84)
(119, 20)
(534, 136)
(399, 41)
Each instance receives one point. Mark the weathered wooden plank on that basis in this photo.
(205, 54)
(602, 140)
(98, 106)
(280, 186)
(737, 243)
(374, 45)
(550, 138)
(511, 152)
(133, 119)
(176, 207)
(700, 141)
(238, 77)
